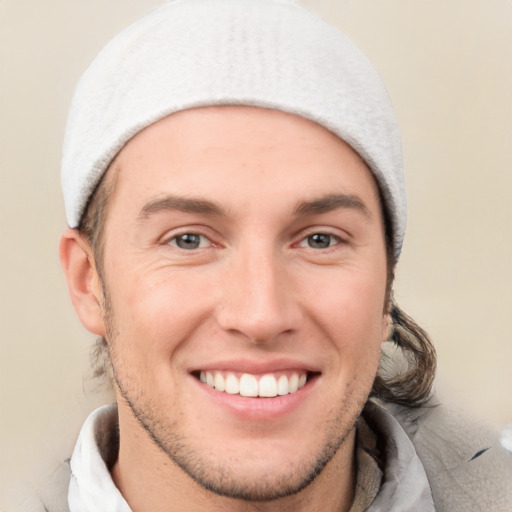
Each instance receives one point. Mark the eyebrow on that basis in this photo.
(317, 206)
(182, 204)
(332, 202)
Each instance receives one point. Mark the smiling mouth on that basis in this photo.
(246, 384)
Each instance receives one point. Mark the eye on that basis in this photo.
(320, 241)
(190, 241)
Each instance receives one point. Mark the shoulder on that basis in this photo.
(48, 492)
(466, 466)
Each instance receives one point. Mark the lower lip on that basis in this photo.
(258, 409)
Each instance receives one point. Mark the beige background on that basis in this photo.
(448, 66)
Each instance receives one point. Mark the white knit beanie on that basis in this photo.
(263, 53)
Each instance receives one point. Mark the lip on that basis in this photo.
(257, 367)
(257, 409)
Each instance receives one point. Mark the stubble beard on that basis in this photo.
(226, 479)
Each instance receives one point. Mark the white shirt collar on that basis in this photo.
(91, 487)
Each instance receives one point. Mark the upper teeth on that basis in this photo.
(267, 385)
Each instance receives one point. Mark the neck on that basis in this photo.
(149, 480)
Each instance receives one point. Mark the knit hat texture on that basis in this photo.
(263, 53)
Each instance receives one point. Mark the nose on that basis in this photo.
(259, 298)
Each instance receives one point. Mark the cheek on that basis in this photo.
(156, 312)
(352, 300)
(350, 312)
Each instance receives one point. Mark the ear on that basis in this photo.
(387, 325)
(83, 280)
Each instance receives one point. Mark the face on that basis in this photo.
(245, 280)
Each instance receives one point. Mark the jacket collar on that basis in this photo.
(404, 484)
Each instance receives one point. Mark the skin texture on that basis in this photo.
(255, 295)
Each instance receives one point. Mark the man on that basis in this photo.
(233, 182)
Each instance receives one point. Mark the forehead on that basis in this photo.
(212, 149)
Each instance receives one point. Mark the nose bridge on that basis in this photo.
(258, 299)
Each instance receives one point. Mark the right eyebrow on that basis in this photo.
(181, 204)
(332, 202)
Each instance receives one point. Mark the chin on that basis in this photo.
(255, 479)
(247, 470)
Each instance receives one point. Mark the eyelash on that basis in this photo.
(174, 241)
(306, 241)
(308, 238)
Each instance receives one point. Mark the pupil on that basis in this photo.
(319, 241)
(188, 241)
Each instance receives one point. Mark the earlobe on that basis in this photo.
(84, 284)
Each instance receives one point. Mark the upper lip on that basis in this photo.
(257, 367)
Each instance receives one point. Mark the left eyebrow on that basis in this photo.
(332, 202)
(181, 204)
